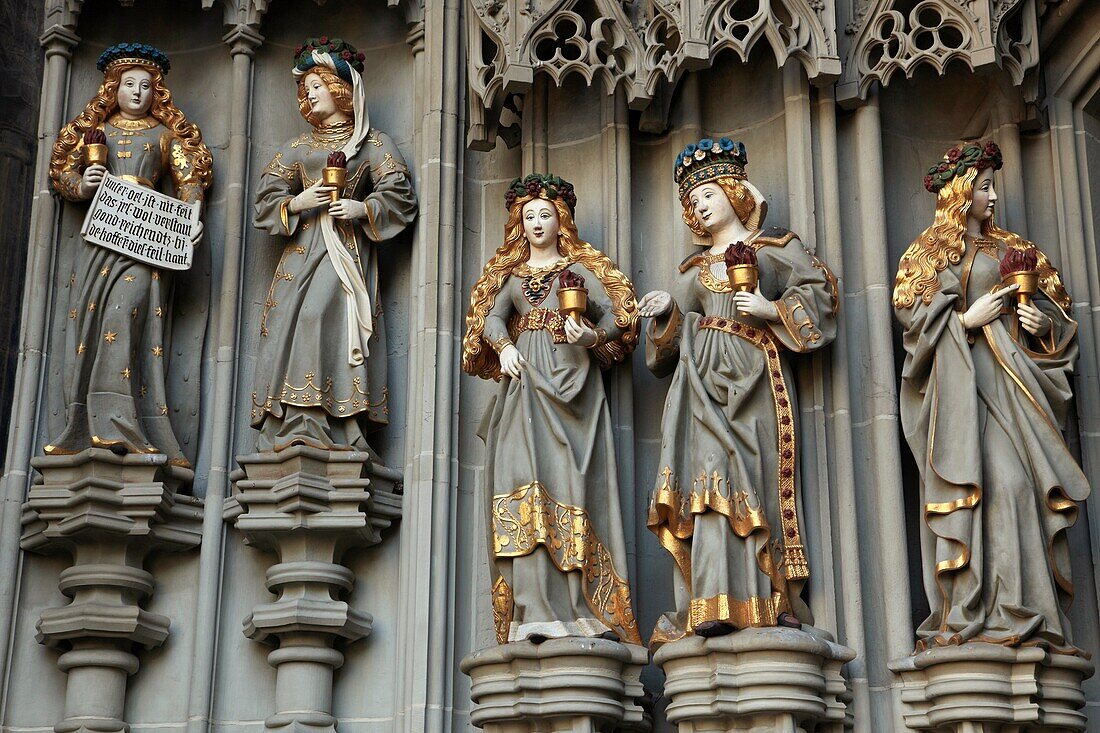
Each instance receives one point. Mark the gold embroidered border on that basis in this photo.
(503, 603)
(795, 564)
(538, 319)
(529, 517)
(754, 611)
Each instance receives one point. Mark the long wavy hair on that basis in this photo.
(340, 90)
(478, 356)
(942, 244)
(740, 198)
(162, 109)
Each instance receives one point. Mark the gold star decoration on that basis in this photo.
(148, 147)
(105, 271)
(125, 373)
(158, 351)
(164, 409)
(159, 312)
(128, 278)
(72, 313)
(72, 279)
(81, 349)
(91, 307)
(143, 391)
(133, 313)
(156, 274)
(110, 337)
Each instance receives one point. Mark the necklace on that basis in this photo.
(145, 123)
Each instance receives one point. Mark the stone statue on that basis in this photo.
(321, 365)
(117, 352)
(546, 312)
(726, 503)
(985, 391)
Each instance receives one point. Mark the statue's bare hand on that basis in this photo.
(755, 304)
(313, 197)
(987, 308)
(347, 209)
(512, 362)
(196, 236)
(1033, 320)
(91, 180)
(654, 303)
(579, 333)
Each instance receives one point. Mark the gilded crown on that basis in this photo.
(707, 160)
(136, 54)
(958, 159)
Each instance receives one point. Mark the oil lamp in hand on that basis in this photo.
(336, 173)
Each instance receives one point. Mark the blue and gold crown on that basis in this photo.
(136, 54)
(707, 160)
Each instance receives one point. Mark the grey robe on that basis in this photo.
(305, 389)
(998, 483)
(726, 500)
(117, 349)
(557, 537)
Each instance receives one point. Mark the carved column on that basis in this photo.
(109, 513)
(570, 685)
(988, 688)
(769, 679)
(309, 507)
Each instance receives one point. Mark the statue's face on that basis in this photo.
(984, 198)
(135, 92)
(712, 207)
(540, 223)
(322, 105)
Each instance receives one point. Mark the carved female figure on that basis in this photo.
(984, 394)
(116, 348)
(557, 542)
(726, 501)
(321, 364)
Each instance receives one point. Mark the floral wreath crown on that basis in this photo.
(958, 159)
(343, 54)
(138, 54)
(538, 184)
(707, 160)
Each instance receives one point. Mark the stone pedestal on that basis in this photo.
(308, 507)
(108, 513)
(988, 688)
(572, 685)
(773, 680)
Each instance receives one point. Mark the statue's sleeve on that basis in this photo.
(805, 297)
(279, 183)
(662, 342)
(187, 182)
(391, 204)
(1058, 348)
(600, 310)
(68, 182)
(929, 327)
(496, 322)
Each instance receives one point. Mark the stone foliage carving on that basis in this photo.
(640, 46)
(893, 36)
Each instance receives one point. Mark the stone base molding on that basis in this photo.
(570, 685)
(989, 688)
(309, 507)
(109, 513)
(770, 680)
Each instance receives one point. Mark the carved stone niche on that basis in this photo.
(570, 685)
(988, 688)
(765, 680)
(109, 513)
(309, 507)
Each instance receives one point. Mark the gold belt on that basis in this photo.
(539, 319)
(795, 565)
(136, 179)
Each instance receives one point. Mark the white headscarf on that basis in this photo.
(356, 294)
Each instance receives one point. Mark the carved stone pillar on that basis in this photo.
(309, 507)
(988, 688)
(570, 685)
(756, 680)
(109, 513)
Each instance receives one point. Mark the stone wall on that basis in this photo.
(847, 179)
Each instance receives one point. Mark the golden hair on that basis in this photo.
(740, 198)
(340, 90)
(478, 356)
(942, 244)
(162, 109)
